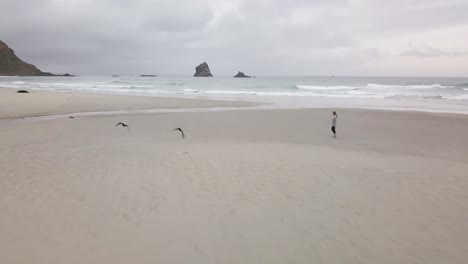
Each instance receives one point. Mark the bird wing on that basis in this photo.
(181, 131)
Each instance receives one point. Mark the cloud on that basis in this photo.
(261, 37)
(427, 51)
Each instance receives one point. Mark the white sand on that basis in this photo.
(243, 187)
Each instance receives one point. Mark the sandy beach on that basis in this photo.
(244, 186)
(39, 103)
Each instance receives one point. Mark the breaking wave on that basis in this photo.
(430, 89)
(419, 86)
(311, 87)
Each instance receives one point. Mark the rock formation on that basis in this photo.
(11, 65)
(241, 75)
(202, 70)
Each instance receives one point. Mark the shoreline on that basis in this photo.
(104, 106)
(42, 104)
(187, 104)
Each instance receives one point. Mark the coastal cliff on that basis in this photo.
(11, 65)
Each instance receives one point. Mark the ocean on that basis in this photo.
(430, 94)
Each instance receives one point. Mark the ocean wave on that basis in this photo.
(458, 97)
(230, 92)
(293, 94)
(190, 90)
(412, 96)
(258, 93)
(433, 97)
(325, 88)
(175, 83)
(419, 86)
(358, 92)
(372, 86)
(116, 81)
(127, 90)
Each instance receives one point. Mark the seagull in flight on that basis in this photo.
(181, 131)
(123, 125)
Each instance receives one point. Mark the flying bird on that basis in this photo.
(181, 131)
(123, 125)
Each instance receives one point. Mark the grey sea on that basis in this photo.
(413, 93)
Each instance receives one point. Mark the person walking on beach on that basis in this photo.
(333, 128)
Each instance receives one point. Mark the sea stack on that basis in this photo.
(11, 65)
(202, 70)
(241, 75)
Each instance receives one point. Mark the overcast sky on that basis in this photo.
(260, 37)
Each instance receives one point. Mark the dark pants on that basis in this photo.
(333, 130)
